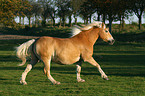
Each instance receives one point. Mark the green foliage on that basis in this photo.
(38, 31)
(9, 9)
(130, 32)
(134, 23)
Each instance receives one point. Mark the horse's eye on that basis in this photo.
(106, 31)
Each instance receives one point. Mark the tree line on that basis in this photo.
(112, 10)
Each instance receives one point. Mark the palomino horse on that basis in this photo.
(77, 48)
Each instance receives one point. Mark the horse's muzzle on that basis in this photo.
(111, 42)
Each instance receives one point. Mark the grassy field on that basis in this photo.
(124, 63)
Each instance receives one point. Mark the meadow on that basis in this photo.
(123, 62)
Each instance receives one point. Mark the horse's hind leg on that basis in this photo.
(78, 71)
(46, 62)
(24, 74)
(33, 61)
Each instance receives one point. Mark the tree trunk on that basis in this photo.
(75, 21)
(60, 22)
(90, 18)
(29, 18)
(70, 21)
(23, 21)
(104, 18)
(84, 21)
(44, 22)
(87, 20)
(139, 17)
(98, 17)
(20, 19)
(120, 25)
(63, 20)
(110, 25)
(53, 20)
(123, 23)
(35, 22)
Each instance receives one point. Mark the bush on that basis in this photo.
(27, 28)
(134, 23)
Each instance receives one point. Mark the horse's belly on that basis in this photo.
(65, 60)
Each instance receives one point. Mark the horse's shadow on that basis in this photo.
(110, 71)
(121, 65)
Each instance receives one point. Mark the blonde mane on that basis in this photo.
(77, 29)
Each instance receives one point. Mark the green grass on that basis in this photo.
(123, 62)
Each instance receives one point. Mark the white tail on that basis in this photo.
(22, 51)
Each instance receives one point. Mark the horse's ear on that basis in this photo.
(103, 25)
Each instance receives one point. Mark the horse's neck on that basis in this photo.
(93, 35)
(89, 37)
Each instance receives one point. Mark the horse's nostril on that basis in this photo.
(111, 42)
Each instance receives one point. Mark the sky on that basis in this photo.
(127, 21)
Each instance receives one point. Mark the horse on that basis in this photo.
(77, 48)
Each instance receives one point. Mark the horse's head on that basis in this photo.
(106, 35)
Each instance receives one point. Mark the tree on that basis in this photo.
(138, 7)
(113, 9)
(109, 9)
(76, 4)
(100, 6)
(20, 12)
(63, 9)
(45, 5)
(9, 9)
(86, 10)
(123, 12)
(52, 13)
(48, 10)
(29, 12)
(70, 12)
(36, 8)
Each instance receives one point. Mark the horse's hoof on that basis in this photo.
(56, 83)
(81, 80)
(106, 78)
(23, 82)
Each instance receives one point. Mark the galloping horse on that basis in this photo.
(77, 48)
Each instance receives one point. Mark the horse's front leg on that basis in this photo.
(93, 62)
(78, 71)
(46, 62)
